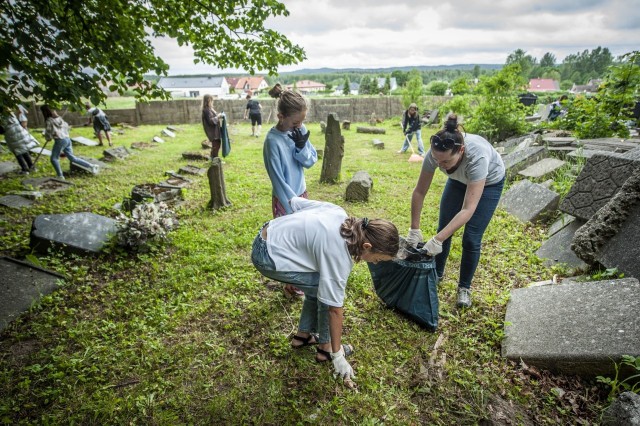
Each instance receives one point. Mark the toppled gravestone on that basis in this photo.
(192, 170)
(624, 410)
(7, 167)
(611, 236)
(141, 145)
(169, 133)
(542, 168)
(84, 141)
(359, 187)
(576, 328)
(156, 193)
(15, 201)
(557, 249)
(377, 144)
(76, 168)
(47, 185)
(333, 152)
(195, 155)
(117, 153)
(522, 158)
(157, 139)
(22, 284)
(80, 233)
(600, 179)
(529, 202)
(372, 130)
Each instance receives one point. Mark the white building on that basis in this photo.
(195, 87)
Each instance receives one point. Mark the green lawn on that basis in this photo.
(190, 333)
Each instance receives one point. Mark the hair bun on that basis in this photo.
(275, 91)
(451, 125)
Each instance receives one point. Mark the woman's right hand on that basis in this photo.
(341, 365)
(414, 237)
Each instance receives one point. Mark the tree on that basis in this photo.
(413, 89)
(365, 85)
(476, 71)
(400, 76)
(437, 88)
(62, 50)
(387, 85)
(460, 86)
(346, 89)
(521, 58)
(548, 60)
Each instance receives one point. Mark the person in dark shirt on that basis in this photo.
(411, 126)
(253, 110)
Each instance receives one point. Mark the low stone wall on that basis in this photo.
(188, 111)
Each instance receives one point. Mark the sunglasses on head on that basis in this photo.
(443, 144)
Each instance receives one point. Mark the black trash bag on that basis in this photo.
(409, 285)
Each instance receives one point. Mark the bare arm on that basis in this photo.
(417, 198)
(469, 205)
(335, 328)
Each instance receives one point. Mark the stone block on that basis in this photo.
(346, 125)
(169, 133)
(84, 141)
(7, 167)
(600, 179)
(557, 249)
(359, 187)
(116, 153)
(15, 201)
(560, 223)
(81, 233)
(158, 139)
(76, 168)
(40, 150)
(141, 145)
(47, 185)
(529, 202)
(196, 155)
(519, 160)
(192, 170)
(22, 285)
(371, 130)
(577, 328)
(542, 168)
(558, 141)
(377, 144)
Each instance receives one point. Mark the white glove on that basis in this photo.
(341, 365)
(414, 237)
(433, 247)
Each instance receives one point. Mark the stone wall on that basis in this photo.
(188, 111)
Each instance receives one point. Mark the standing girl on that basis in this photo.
(211, 124)
(253, 109)
(472, 192)
(58, 130)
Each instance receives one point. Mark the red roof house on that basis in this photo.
(543, 85)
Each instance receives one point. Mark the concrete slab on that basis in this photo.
(117, 153)
(557, 249)
(558, 141)
(75, 168)
(158, 139)
(577, 328)
(521, 159)
(529, 202)
(192, 170)
(84, 141)
(169, 133)
(622, 250)
(7, 167)
(40, 150)
(81, 233)
(542, 168)
(15, 202)
(560, 223)
(47, 185)
(21, 285)
(196, 155)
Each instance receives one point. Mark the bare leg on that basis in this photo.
(99, 135)
(109, 138)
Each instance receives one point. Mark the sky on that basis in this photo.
(384, 33)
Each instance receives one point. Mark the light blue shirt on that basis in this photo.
(285, 165)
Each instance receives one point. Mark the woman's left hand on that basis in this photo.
(433, 246)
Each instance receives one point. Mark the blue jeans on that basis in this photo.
(409, 138)
(64, 145)
(314, 317)
(450, 205)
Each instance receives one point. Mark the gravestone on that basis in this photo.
(7, 167)
(116, 153)
(157, 139)
(575, 328)
(600, 179)
(217, 186)
(378, 144)
(608, 144)
(176, 181)
(372, 119)
(195, 155)
(84, 141)
(333, 152)
(141, 145)
(323, 127)
(41, 151)
(47, 185)
(15, 201)
(22, 284)
(586, 153)
(80, 233)
(206, 144)
(529, 202)
(610, 237)
(371, 130)
(558, 141)
(542, 168)
(560, 223)
(623, 411)
(521, 159)
(633, 154)
(557, 249)
(346, 125)
(76, 168)
(433, 117)
(359, 187)
(174, 128)
(156, 193)
(169, 133)
(192, 170)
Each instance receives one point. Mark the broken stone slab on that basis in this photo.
(195, 155)
(76, 168)
(577, 328)
(117, 153)
(586, 153)
(192, 170)
(560, 223)
(377, 144)
(84, 141)
(371, 130)
(633, 154)
(40, 150)
(141, 145)
(542, 168)
(15, 202)
(158, 139)
(174, 128)
(359, 187)
(557, 249)
(530, 202)
(519, 160)
(21, 285)
(624, 410)
(558, 141)
(31, 195)
(169, 133)
(176, 182)
(600, 179)
(610, 237)
(155, 192)
(511, 143)
(609, 144)
(80, 233)
(7, 167)
(47, 185)
(206, 144)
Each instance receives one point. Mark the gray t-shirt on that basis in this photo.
(480, 161)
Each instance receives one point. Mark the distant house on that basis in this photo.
(382, 80)
(543, 85)
(353, 89)
(590, 87)
(251, 84)
(195, 87)
(307, 86)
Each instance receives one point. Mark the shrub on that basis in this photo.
(149, 222)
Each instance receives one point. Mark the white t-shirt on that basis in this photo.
(480, 161)
(95, 112)
(308, 240)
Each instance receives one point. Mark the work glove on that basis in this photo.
(298, 138)
(433, 247)
(414, 237)
(341, 365)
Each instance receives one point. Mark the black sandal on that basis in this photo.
(348, 350)
(306, 341)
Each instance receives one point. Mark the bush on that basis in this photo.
(149, 222)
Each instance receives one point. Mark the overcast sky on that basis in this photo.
(386, 33)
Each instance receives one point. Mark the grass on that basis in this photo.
(190, 334)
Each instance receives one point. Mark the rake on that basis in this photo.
(414, 158)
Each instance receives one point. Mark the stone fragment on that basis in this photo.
(529, 202)
(80, 233)
(359, 187)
